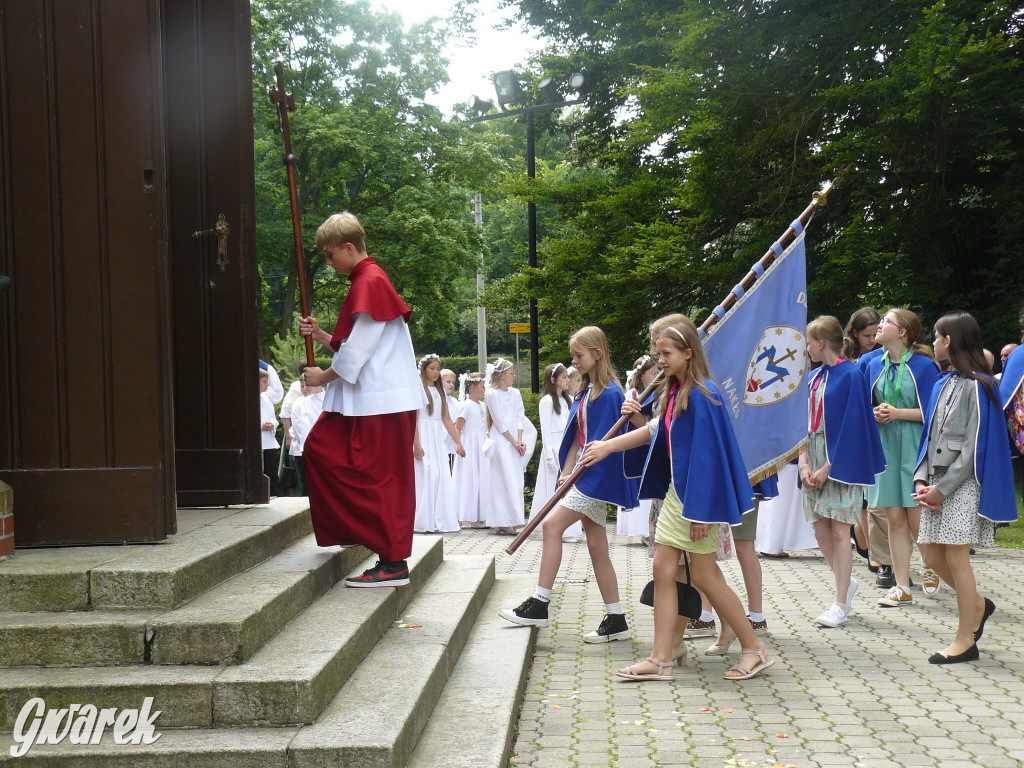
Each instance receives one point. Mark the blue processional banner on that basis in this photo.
(757, 353)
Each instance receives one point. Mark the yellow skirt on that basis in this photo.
(674, 531)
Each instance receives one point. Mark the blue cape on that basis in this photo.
(710, 477)
(992, 467)
(605, 481)
(852, 445)
(862, 361)
(1013, 376)
(923, 371)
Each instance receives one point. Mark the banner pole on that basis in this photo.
(818, 198)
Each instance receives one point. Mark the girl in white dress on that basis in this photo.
(435, 499)
(554, 410)
(506, 416)
(472, 472)
(637, 521)
(448, 381)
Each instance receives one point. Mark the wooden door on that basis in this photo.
(85, 395)
(208, 86)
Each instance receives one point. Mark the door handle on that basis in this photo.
(5, 283)
(221, 230)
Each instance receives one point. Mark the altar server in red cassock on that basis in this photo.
(358, 456)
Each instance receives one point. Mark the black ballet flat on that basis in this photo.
(971, 654)
(990, 608)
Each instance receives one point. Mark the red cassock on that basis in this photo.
(359, 469)
(361, 480)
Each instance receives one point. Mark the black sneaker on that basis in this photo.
(383, 574)
(885, 578)
(532, 613)
(612, 627)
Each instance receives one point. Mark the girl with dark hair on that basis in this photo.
(963, 479)
(435, 500)
(553, 409)
(859, 336)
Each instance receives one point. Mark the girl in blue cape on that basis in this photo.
(695, 464)
(963, 478)
(842, 456)
(901, 381)
(595, 410)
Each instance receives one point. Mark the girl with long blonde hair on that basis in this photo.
(694, 463)
(595, 410)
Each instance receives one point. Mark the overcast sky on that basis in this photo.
(470, 66)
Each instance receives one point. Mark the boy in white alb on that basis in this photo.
(358, 456)
(305, 413)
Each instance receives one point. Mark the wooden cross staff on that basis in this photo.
(819, 198)
(286, 103)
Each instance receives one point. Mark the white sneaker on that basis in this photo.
(929, 581)
(833, 617)
(849, 595)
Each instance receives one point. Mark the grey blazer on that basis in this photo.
(952, 436)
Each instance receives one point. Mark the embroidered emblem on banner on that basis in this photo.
(776, 367)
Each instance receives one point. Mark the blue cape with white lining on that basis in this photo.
(992, 467)
(852, 446)
(924, 372)
(707, 466)
(635, 458)
(605, 481)
(1013, 376)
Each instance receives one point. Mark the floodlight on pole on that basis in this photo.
(578, 83)
(549, 91)
(480, 106)
(506, 85)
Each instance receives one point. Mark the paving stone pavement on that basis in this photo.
(862, 696)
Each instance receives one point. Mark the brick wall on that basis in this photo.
(6, 520)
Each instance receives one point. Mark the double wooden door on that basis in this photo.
(128, 361)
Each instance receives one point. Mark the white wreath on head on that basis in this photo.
(498, 366)
(631, 373)
(425, 358)
(464, 381)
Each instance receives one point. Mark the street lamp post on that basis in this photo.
(508, 90)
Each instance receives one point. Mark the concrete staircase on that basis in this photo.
(256, 653)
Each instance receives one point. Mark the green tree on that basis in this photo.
(710, 122)
(366, 142)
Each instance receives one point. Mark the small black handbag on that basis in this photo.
(689, 598)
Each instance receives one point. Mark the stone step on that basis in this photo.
(489, 681)
(184, 694)
(211, 546)
(379, 714)
(294, 676)
(225, 625)
(374, 720)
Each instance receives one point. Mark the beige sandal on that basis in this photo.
(630, 672)
(719, 650)
(679, 654)
(739, 672)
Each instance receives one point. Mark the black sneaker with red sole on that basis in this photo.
(383, 574)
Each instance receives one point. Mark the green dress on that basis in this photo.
(900, 442)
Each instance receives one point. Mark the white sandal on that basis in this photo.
(630, 673)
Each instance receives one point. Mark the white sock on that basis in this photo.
(755, 616)
(905, 589)
(542, 594)
(706, 616)
(612, 608)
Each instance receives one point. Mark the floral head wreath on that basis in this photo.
(498, 366)
(426, 359)
(631, 374)
(464, 381)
